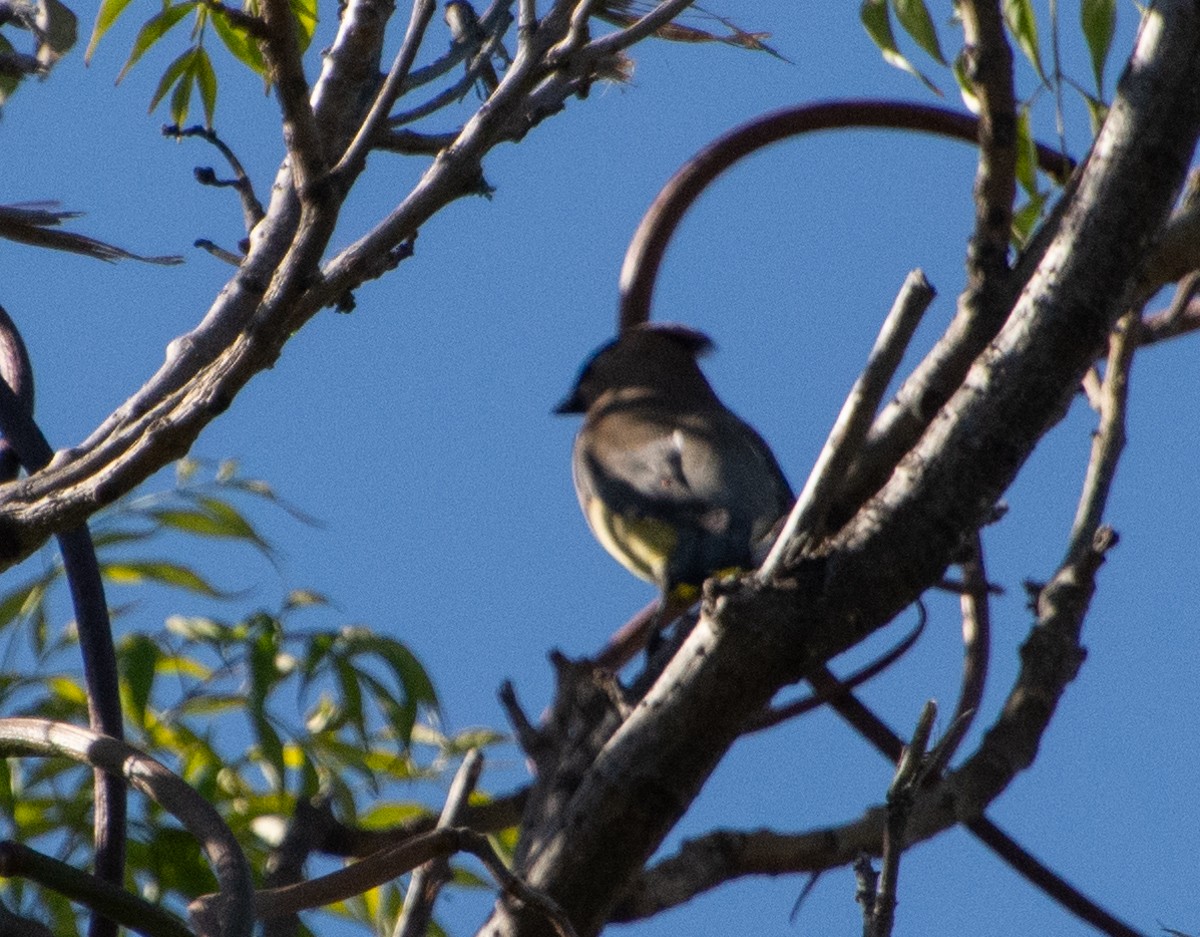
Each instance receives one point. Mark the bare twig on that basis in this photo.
(777, 714)
(459, 89)
(37, 224)
(1109, 440)
(355, 156)
(427, 880)
(805, 524)
(252, 209)
(640, 29)
(911, 771)
(976, 630)
(392, 862)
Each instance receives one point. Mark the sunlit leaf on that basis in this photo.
(914, 17)
(1026, 153)
(198, 628)
(305, 12)
(159, 572)
(23, 600)
(153, 30)
(966, 87)
(206, 81)
(174, 73)
(1026, 218)
(105, 17)
(242, 45)
(878, 22)
(1022, 23)
(138, 660)
(300, 598)
(1099, 21)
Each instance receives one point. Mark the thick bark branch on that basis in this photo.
(756, 639)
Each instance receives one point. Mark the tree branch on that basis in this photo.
(39, 737)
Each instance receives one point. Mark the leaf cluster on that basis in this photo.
(1097, 23)
(258, 713)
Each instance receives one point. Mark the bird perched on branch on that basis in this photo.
(672, 483)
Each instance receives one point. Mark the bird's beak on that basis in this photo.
(571, 404)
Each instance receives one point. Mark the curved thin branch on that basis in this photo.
(88, 601)
(836, 687)
(40, 737)
(977, 631)
(649, 242)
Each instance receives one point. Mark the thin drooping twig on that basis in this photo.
(427, 880)
(805, 523)
(40, 737)
(777, 714)
(37, 224)
(976, 630)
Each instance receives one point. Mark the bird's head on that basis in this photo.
(658, 358)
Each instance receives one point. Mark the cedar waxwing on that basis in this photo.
(671, 482)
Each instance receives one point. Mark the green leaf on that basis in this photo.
(1026, 154)
(214, 517)
(1099, 21)
(181, 97)
(105, 17)
(175, 71)
(352, 701)
(877, 21)
(914, 17)
(412, 677)
(8, 83)
(139, 660)
(1025, 219)
(22, 601)
(305, 12)
(206, 81)
(966, 87)
(153, 30)
(242, 45)
(160, 572)
(1022, 23)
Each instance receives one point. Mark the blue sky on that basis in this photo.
(419, 430)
